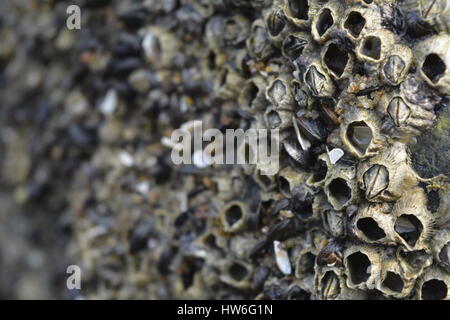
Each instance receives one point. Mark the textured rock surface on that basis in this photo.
(86, 176)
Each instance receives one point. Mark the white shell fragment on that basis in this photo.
(304, 143)
(335, 154)
(126, 159)
(282, 258)
(200, 159)
(109, 104)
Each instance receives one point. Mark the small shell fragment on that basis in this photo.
(282, 258)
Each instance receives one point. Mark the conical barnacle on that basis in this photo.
(326, 20)
(409, 119)
(236, 29)
(279, 92)
(278, 118)
(440, 245)
(160, 46)
(388, 175)
(300, 12)
(321, 168)
(258, 43)
(331, 284)
(362, 266)
(341, 187)
(413, 263)
(372, 225)
(433, 12)
(433, 57)
(266, 182)
(277, 24)
(360, 132)
(228, 83)
(294, 45)
(304, 263)
(318, 81)
(335, 222)
(412, 223)
(236, 273)
(374, 46)
(234, 216)
(337, 60)
(392, 282)
(396, 65)
(433, 285)
(288, 179)
(357, 21)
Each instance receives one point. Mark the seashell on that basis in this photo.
(334, 155)
(159, 46)
(236, 29)
(440, 245)
(413, 223)
(296, 152)
(236, 273)
(362, 267)
(282, 258)
(335, 222)
(288, 179)
(325, 21)
(432, 58)
(293, 45)
(228, 83)
(388, 175)
(318, 81)
(279, 92)
(277, 25)
(234, 216)
(433, 285)
(277, 118)
(374, 46)
(340, 187)
(258, 43)
(321, 167)
(360, 132)
(337, 60)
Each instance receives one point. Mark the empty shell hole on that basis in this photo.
(393, 282)
(321, 171)
(340, 190)
(372, 47)
(306, 263)
(299, 9)
(359, 135)
(233, 214)
(336, 59)
(284, 186)
(238, 272)
(370, 228)
(434, 289)
(433, 67)
(273, 119)
(409, 227)
(359, 267)
(325, 22)
(355, 23)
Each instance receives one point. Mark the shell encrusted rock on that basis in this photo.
(359, 91)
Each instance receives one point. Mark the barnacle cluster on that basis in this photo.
(359, 208)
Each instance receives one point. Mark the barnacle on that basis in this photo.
(354, 96)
